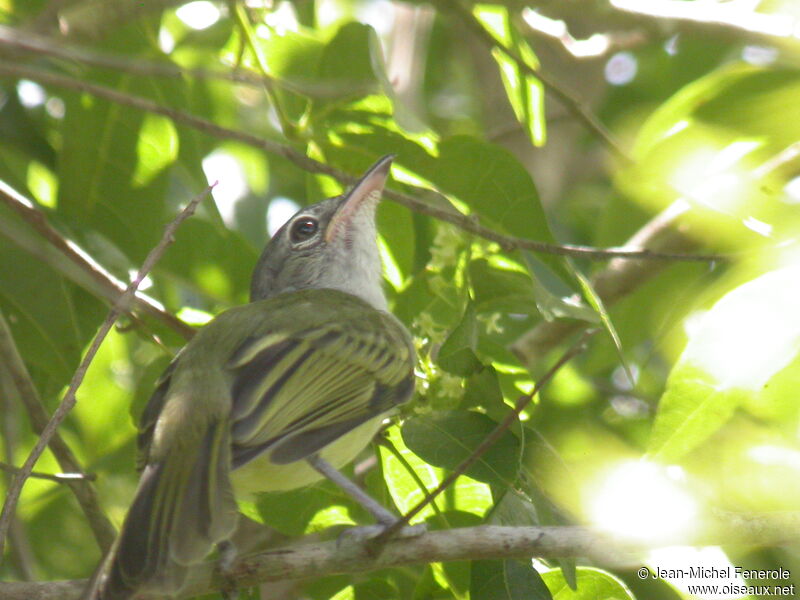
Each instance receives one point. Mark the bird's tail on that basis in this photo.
(183, 506)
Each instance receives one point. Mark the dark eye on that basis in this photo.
(304, 228)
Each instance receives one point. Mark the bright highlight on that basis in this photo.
(644, 501)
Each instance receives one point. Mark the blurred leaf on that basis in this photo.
(446, 439)
(734, 352)
(724, 144)
(525, 92)
(593, 584)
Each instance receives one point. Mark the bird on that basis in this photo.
(270, 395)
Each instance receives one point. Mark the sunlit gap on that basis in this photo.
(621, 68)
(645, 502)
(223, 168)
(279, 211)
(198, 15)
(740, 347)
(30, 94)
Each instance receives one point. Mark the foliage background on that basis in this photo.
(690, 414)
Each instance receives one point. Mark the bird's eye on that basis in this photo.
(303, 229)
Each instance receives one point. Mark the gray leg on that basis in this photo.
(381, 514)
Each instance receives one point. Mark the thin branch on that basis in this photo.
(319, 559)
(69, 400)
(16, 41)
(14, 367)
(520, 405)
(57, 477)
(109, 286)
(466, 222)
(572, 104)
(739, 18)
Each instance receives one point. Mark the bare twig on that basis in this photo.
(110, 287)
(85, 494)
(729, 15)
(466, 222)
(69, 398)
(488, 441)
(57, 477)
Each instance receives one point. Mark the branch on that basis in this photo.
(729, 16)
(313, 560)
(16, 41)
(57, 477)
(618, 279)
(86, 495)
(99, 280)
(69, 400)
(468, 223)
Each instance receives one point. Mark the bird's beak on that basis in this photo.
(364, 195)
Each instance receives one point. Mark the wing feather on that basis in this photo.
(295, 390)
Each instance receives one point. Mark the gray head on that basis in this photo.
(330, 244)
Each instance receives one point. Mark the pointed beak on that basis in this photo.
(363, 197)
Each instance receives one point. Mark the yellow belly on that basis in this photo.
(261, 475)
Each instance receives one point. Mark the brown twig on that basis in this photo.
(57, 477)
(69, 400)
(110, 287)
(520, 405)
(466, 222)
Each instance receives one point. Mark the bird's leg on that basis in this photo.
(227, 555)
(384, 517)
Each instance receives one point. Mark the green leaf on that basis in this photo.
(506, 580)
(457, 354)
(734, 352)
(593, 584)
(596, 302)
(295, 512)
(446, 439)
(407, 489)
(525, 92)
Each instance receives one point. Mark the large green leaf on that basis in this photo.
(51, 318)
(734, 353)
(408, 477)
(446, 439)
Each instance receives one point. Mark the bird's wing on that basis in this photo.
(297, 389)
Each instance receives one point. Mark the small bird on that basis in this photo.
(267, 395)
